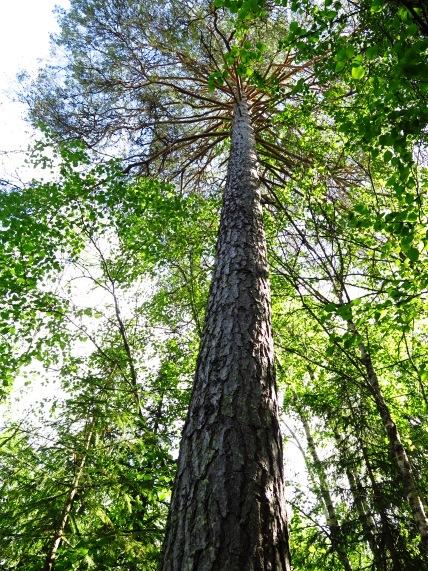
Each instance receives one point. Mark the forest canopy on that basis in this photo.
(221, 283)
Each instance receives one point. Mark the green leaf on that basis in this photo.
(358, 72)
(387, 156)
(412, 253)
(371, 52)
(294, 27)
(344, 311)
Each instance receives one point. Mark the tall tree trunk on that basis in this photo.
(399, 453)
(363, 510)
(336, 535)
(227, 509)
(68, 505)
(390, 535)
(390, 538)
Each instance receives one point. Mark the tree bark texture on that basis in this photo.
(227, 510)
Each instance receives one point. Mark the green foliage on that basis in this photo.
(346, 229)
(135, 241)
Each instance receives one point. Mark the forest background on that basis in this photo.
(105, 271)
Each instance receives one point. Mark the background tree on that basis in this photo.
(184, 71)
(344, 194)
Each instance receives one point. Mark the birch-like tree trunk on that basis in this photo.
(336, 536)
(399, 453)
(227, 509)
(365, 517)
(390, 538)
(68, 505)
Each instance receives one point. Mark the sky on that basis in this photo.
(25, 27)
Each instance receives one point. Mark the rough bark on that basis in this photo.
(227, 509)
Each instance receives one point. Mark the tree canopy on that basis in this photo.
(106, 268)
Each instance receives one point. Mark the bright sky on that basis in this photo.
(25, 26)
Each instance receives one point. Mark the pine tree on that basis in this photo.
(181, 80)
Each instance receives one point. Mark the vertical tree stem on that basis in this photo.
(227, 509)
(65, 514)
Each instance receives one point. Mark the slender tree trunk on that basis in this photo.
(65, 514)
(336, 536)
(227, 510)
(365, 517)
(399, 453)
(401, 459)
(390, 537)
